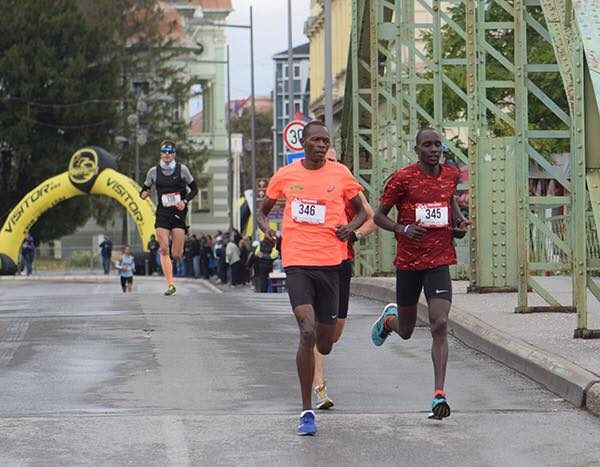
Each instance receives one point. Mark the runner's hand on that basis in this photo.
(144, 194)
(343, 232)
(461, 229)
(180, 206)
(463, 225)
(271, 236)
(414, 231)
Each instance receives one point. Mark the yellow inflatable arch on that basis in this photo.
(92, 170)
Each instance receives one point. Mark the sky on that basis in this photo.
(270, 37)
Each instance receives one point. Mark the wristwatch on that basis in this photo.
(359, 235)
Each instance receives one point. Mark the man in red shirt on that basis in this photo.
(423, 194)
(315, 232)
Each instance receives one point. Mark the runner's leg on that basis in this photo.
(162, 235)
(305, 360)
(178, 237)
(438, 320)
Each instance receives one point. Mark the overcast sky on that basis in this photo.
(270, 37)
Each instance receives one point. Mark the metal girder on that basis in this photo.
(478, 70)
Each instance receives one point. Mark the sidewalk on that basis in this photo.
(539, 345)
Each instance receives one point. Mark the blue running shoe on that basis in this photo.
(378, 332)
(439, 407)
(307, 425)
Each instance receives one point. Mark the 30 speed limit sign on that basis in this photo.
(292, 134)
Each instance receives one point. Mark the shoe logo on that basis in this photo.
(440, 291)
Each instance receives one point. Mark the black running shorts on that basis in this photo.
(170, 218)
(435, 282)
(319, 287)
(345, 277)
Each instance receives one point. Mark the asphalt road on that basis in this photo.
(91, 376)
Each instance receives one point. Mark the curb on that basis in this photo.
(103, 278)
(564, 378)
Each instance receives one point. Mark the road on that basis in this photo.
(91, 376)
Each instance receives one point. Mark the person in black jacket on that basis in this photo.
(264, 254)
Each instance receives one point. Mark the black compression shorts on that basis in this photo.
(319, 287)
(345, 277)
(435, 282)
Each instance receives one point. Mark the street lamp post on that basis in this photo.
(250, 27)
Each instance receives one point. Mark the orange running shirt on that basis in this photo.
(314, 205)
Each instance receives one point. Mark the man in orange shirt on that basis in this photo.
(315, 232)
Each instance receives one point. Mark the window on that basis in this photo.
(297, 107)
(284, 72)
(204, 190)
(141, 88)
(296, 71)
(203, 200)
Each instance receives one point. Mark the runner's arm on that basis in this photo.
(150, 179)
(382, 219)
(344, 232)
(262, 219)
(412, 231)
(193, 192)
(369, 226)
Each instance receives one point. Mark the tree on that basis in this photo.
(57, 92)
(264, 145)
(71, 72)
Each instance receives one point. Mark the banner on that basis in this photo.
(91, 171)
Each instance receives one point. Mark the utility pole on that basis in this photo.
(328, 72)
(291, 107)
(253, 131)
(230, 200)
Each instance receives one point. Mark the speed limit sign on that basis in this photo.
(292, 134)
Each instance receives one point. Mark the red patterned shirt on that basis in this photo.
(417, 194)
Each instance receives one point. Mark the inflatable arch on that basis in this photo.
(92, 170)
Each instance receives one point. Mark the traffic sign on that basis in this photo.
(261, 188)
(292, 134)
(294, 156)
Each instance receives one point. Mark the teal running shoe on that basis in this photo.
(171, 290)
(307, 425)
(378, 332)
(439, 407)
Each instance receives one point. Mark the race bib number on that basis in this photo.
(170, 199)
(432, 215)
(308, 211)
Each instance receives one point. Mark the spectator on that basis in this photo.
(220, 258)
(153, 247)
(264, 253)
(28, 253)
(106, 252)
(232, 257)
(196, 251)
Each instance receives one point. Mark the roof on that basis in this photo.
(224, 5)
(303, 49)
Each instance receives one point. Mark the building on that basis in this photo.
(301, 75)
(341, 24)
(203, 51)
(208, 128)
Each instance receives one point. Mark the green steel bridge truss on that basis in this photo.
(509, 84)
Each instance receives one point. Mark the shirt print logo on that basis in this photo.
(330, 188)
